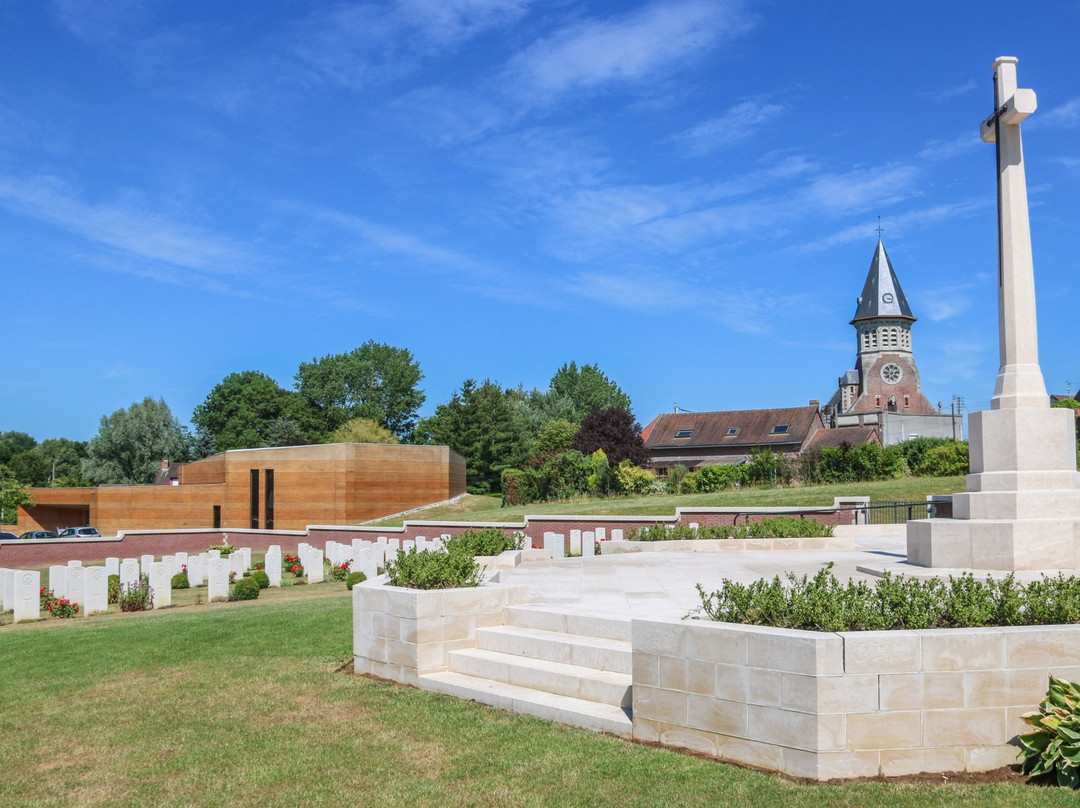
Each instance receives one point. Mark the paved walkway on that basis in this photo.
(664, 584)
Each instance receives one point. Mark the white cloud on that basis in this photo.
(101, 22)
(896, 225)
(737, 124)
(949, 93)
(594, 53)
(1065, 116)
(947, 149)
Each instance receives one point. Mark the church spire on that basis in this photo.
(881, 294)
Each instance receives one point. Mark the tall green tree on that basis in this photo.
(482, 423)
(131, 443)
(13, 493)
(14, 443)
(588, 390)
(375, 381)
(249, 410)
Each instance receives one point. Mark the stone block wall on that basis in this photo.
(400, 634)
(835, 705)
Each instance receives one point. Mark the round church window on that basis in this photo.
(891, 373)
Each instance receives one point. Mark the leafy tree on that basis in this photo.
(61, 459)
(375, 381)
(14, 443)
(249, 410)
(362, 430)
(616, 432)
(12, 494)
(565, 476)
(130, 444)
(553, 438)
(482, 423)
(587, 390)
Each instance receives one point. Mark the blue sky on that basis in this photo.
(683, 192)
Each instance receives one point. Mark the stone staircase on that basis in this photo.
(568, 668)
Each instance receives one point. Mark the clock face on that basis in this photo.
(887, 297)
(891, 374)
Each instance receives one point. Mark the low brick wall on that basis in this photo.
(132, 544)
(840, 705)
(401, 634)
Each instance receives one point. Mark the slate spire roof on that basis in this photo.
(881, 295)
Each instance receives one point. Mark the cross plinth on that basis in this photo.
(1021, 510)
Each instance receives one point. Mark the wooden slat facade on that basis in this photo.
(336, 484)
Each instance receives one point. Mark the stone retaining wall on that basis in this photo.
(839, 705)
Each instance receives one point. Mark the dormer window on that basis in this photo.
(780, 429)
(731, 433)
(684, 433)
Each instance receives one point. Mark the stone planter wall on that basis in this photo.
(400, 634)
(825, 705)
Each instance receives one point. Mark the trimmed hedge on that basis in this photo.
(777, 527)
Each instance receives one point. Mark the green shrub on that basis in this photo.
(114, 589)
(261, 578)
(948, 460)
(354, 578)
(486, 542)
(433, 570)
(245, 589)
(338, 573)
(709, 479)
(520, 487)
(777, 527)
(822, 603)
(680, 481)
(1054, 746)
(224, 549)
(633, 479)
(136, 597)
(565, 476)
(180, 580)
(62, 607)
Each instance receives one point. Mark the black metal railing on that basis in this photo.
(896, 513)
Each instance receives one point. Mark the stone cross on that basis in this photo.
(1020, 380)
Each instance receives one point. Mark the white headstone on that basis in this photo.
(74, 563)
(170, 562)
(408, 545)
(217, 579)
(236, 564)
(76, 586)
(161, 583)
(144, 564)
(129, 572)
(97, 590)
(617, 535)
(588, 544)
(180, 560)
(58, 581)
(555, 543)
(26, 598)
(601, 533)
(196, 566)
(245, 554)
(314, 572)
(214, 553)
(575, 542)
(369, 564)
(420, 543)
(272, 565)
(112, 566)
(9, 589)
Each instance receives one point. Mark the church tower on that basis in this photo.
(885, 378)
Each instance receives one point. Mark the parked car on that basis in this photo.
(38, 534)
(78, 533)
(4, 536)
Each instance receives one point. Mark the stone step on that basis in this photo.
(600, 653)
(548, 619)
(605, 687)
(517, 699)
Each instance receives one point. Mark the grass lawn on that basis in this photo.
(489, 509)
(241, 704)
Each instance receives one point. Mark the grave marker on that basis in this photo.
(217, 578)
(76, 585)
(97, 591)
(58, 581)
(160, 576)
(129, 572)
(26, 598)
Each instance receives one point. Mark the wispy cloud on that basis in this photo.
(1065, 116)
(594, 53)
(947, 149)
(895, 225)
(949, 93)
(126, 228)
(102, 22)
(737, 124)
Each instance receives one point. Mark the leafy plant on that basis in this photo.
(1053, 748)
(224, 549)
(778, 527)
(486, 542)
(245, 589)
(291, 564)
(180, 580)
(114, 589)
(340, 572)
(354, 578)
(434, 569)
(261, 578)
(137, 597)
(62, 607)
